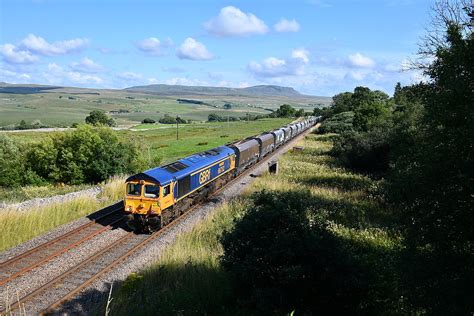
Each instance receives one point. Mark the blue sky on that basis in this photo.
(319, 47)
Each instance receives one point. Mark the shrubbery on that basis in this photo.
(86, 155)
(364, 151)
(213, 117)
(11, 171)
(167, 119)
(282, 256)
(148, 121)
(338, 123)
(97, 118)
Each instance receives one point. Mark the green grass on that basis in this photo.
(188, 278)
(18, 227)
(162, 142)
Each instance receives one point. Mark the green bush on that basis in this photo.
(11, 168)
(280, 260)
(166, 119)
(86, 155)
(364, 151)
(338, 123)
(148, 121)
(97, 118)
(371, 115)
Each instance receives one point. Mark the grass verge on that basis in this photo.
(18, 227)
(189, 279)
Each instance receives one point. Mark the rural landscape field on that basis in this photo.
(255, 158)
(64, 106)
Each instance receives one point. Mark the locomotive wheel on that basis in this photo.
(134, 222)
(153, 224)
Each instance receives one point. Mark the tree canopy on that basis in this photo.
(98, 117)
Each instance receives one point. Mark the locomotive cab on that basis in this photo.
(144, 201)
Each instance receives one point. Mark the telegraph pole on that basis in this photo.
(177, 127)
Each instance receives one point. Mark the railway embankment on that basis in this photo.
(41, 284)
(271, 236)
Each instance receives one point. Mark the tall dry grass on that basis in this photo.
(19, 226)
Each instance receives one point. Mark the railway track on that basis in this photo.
(41, 254)
(50, 296)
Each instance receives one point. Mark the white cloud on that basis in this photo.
(150, 46)
(14, 77)
(361, 61)
(285, 25)
(300, 53)
(276, 67)
(231, 21)
(39, 45)
(77, 77)
(14, 55)
(153, 46)
(194, 50)
(57, 75)
(86, 65)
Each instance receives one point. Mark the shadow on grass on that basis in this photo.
(344, 183)
(284, 259)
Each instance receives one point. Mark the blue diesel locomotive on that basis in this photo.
(157, 196)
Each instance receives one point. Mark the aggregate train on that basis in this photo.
(155, 197)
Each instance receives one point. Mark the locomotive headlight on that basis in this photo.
(129, 208)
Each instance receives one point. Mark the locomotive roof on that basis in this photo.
(183, 167)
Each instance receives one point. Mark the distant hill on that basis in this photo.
(24, 88)
(262, 90)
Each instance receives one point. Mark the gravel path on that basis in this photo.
(97, 291)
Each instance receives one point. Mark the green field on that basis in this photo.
(193, 138)
(65, 106)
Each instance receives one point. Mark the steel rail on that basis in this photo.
(7, 266)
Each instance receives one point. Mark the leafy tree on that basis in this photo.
(11, 169)
(364, 151)
(286, 110)
(370, 115)
(432, 179)
(338, 123)
(97, 117)
(148, 121)
(167, 119)
(341, 102)
(23, 125)
(213, 117)
(181, 120)
(300, 113)
(322, 112)
(86, 155)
